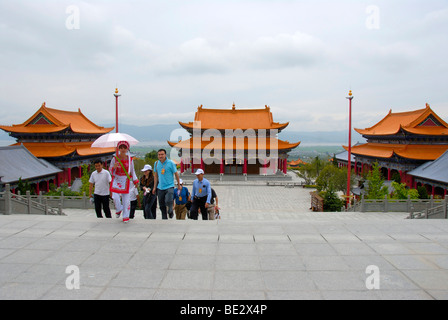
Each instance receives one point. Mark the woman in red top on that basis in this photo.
(123, 174)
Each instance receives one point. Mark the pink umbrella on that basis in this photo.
(110, 140)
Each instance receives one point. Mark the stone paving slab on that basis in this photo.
(301, 258)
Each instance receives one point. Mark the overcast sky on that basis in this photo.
(168, 57)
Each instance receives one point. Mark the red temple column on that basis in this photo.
(181, 166)
(80, 171)
(285, 166)
(245, 166)
(388, 174)
(221, 169)
(69, 171)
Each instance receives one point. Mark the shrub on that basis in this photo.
(332, 203)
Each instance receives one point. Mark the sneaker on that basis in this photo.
(125, 220)
(117, 214)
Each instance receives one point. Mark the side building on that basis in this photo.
(63, 138)
(402, 142)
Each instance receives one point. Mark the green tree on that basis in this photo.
(332, 178)
(23, 187)
(376, 187)
(332, 203)
(402, 192)
(309, 172)
(151, 157)
(422, 193)
(85, 179)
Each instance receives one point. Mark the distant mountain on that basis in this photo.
(159, 134)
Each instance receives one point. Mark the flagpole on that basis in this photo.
(116, 109)
(349, 169)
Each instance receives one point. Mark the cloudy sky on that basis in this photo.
(168, 57)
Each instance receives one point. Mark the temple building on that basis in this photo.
(234, 142)
(402, 142)
(63, 138)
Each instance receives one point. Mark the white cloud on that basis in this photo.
(169, 57)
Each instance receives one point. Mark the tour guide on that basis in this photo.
(202, 194)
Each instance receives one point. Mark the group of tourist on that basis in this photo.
(123, 185)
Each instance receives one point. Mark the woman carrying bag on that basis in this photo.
(149, 199)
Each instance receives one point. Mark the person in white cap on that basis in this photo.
(181, 197)
(202, 194)
(149, 199)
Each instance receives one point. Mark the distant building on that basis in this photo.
(254, 148)
(296, 163)
(63, 138)
(402, 142)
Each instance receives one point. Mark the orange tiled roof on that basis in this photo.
(244, 119)
(423, 122)
(409, 151)
(296, 162)
(249, 144)
(47, 120)
(61, 149)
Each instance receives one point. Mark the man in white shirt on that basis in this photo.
(100, 179)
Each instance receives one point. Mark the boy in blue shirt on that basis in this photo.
(180, 201)
(202, 194)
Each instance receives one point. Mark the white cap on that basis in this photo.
(199, 171)
(181, 181)
(147, 167)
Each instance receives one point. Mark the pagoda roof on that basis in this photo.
(244, 119)
(47, 120)
(236, 145)
(408, 151)
(62, 149)
(421, 122)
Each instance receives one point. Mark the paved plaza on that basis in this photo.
(268, 245)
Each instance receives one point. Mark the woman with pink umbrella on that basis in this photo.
(123, 174)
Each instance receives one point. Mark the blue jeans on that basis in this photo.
(166, 202)
(148, 206)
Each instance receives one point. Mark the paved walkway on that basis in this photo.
(267, 246)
